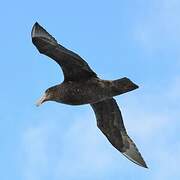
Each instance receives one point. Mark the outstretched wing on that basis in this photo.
(110, 122)
(73, 66)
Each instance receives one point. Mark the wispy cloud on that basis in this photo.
(173, 91)
(84, 154)
(35, 152)
(80, 152)
(167, 160)
(160, 28)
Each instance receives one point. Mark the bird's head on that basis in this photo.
(49, 95)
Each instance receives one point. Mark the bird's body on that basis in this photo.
(91, 90)
(81, 86)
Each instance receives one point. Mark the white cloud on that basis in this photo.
(77, 151)
(173, 92)
(161, 27)
(84, 151)
(35, 152)
(168, 163)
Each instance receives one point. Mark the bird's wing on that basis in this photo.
(110, 122)
(73, 66)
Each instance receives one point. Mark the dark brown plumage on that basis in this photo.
(82, 86)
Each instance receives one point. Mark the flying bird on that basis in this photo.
(81, 85)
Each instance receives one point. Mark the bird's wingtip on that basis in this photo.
(139, 161)
(36, 23)
(39, 32)
(35, 29)
(133, 154)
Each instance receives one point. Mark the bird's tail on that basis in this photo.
(122, 85)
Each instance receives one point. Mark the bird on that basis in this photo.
(81, 85)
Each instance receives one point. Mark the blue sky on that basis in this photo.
(138, 39)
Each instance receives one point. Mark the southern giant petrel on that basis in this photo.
(81, 85)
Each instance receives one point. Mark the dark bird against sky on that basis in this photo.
(81, 85)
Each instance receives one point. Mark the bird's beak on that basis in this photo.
(41, 100)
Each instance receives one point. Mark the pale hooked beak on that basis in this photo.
(41, 100)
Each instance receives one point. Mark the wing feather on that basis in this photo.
(110, 122)
(73, 66)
